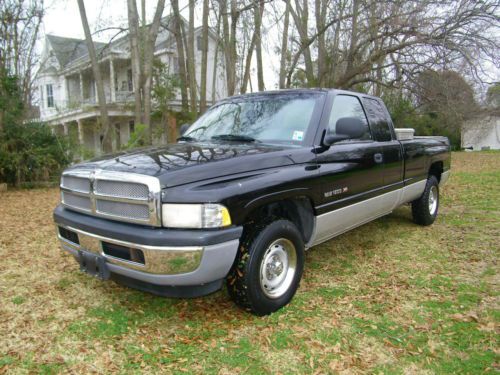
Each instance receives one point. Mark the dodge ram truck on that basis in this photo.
(246, 189)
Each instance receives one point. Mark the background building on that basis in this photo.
(482, 132)
(67, 89)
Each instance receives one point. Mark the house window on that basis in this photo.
(130, 80)
(50, 96)
(131, 126)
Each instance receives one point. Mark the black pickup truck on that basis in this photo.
(247, 188)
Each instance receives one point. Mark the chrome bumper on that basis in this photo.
(163, 265)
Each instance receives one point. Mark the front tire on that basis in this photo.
(425, 209)
(268, 267)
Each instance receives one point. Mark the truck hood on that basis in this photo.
(182, 163)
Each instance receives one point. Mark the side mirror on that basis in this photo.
(346, 128)
(183, 128)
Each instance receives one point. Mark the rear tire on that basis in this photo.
(268, 267)
(425, 209)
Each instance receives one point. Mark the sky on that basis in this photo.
(63, 19)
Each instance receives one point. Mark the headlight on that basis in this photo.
(195, 215)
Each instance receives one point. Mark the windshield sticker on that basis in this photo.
(298, 135)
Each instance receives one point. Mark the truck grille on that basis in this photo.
(120, 196)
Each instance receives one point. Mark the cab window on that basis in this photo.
(378, 120)
(347, 106)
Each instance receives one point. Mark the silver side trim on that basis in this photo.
(444, 178)
(413, 191)
(334, 223)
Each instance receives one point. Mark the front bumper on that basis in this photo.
(169, 258)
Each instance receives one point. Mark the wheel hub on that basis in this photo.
(274, 267)
(278, 268)
(433, 200)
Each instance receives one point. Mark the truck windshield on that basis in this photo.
(267, 118)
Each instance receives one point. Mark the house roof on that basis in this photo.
(72, 51)
(69, 49)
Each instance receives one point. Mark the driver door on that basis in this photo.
(350, 174)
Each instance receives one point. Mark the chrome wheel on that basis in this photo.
(433, 200)
(277, 268)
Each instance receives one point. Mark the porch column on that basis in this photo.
(81, 85)
(112, 80)
(65, 128)
(81, 139)
(66, 92)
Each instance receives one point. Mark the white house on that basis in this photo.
(67, 89)
(482, 132)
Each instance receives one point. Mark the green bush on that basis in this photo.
(31, 153)
(138, 138)
(405, 115)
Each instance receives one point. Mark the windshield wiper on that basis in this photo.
(186, 138)
(234, 138)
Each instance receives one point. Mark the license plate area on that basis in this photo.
(93, 264)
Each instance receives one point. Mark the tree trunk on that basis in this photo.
(229, 43)
(259, 10)
(248, 64)
(300, 17)
(216, 61)
(284, 46)
(204, 57)
(107, 144)
(320, 10)
(191, 63)
(135, 56)
(148, 59)
(179, 41)
(354, 40)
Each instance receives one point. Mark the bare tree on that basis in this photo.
(258, 12)
(363, 42)
(284, 46)
(204, 57)
(107, 144)
(179, 41)
(19, 29)
(190, 62)
(142, 61)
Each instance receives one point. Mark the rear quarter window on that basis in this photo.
(377, 117)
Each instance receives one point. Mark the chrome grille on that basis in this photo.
(121, 189)
(122, 209)
(120, 196)
(77, 201)
(76, 183)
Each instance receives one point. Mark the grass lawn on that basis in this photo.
(390, 297)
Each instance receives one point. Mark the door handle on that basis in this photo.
(378, 157)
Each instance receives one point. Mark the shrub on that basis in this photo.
(31, 153)
(138, 138)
